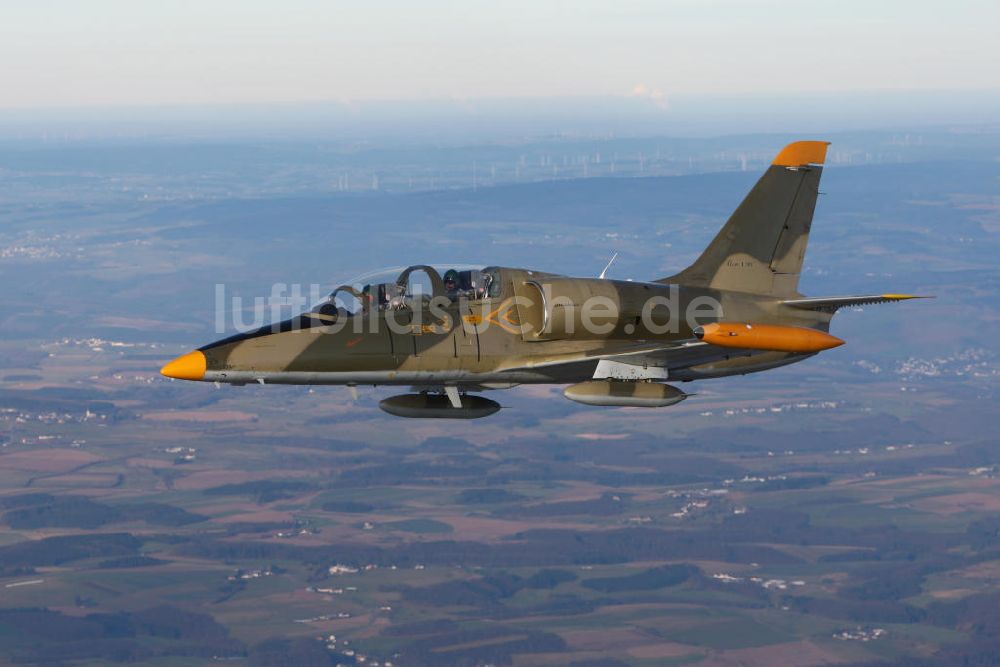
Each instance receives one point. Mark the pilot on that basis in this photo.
(367, 298)
(451, 282)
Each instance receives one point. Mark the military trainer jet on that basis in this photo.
(736, 310)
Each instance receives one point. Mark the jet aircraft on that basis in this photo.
(735, 310)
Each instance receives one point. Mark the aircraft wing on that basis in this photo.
(662, 355)
(831, 304)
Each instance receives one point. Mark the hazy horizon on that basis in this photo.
(492, 119)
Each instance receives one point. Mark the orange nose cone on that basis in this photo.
(191, 366)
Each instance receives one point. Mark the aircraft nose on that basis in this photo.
(190, 366)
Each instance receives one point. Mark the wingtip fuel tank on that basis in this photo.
(771, 337)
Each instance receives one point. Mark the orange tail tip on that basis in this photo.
(766, 337)
(801, 153)
(190, 366)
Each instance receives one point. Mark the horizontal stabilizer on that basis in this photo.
(831, 304)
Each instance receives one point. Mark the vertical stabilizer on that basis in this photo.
(761, 247)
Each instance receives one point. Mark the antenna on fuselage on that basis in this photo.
(610, 262)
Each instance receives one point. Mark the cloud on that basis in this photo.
(656, 96)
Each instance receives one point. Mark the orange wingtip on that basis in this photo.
(801, 153)
(904, 297)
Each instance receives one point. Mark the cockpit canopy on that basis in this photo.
(398, 289)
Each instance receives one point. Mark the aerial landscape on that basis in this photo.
(844, 510)
(147, 518)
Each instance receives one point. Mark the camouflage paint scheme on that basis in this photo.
(519, 334)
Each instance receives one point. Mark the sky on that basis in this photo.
(66, 53)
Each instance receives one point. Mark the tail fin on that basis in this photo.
(760, 249)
